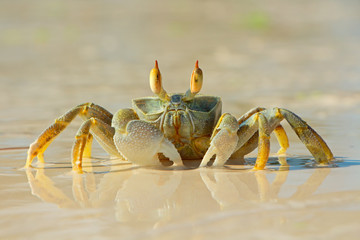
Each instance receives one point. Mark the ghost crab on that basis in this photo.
(179, 126)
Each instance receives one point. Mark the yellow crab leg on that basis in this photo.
(312, 140)
(247, 133)
(86, 111)
(104, 134)
(251, 112)
(252, 142)
(264, 143)
(269, 120)
(282, 139)
(88, 146)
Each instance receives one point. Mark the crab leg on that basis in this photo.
(264, 142)
(311, 139)
(85, 111)
(251, 143)
(282, 139)
(251, 112)
(104, 133)
(264, 122)
(140, 142)
(246, 140)
(256, 123)
(270, 122)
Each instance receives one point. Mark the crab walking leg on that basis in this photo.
(269, 120)
(223, 141)
(261, 122)
(104, 134)
(251, 143)
(250, 113)
(88, 146)
(264, 143)
(312, 140)
(282, 139)
(86, 111)
(248, 137)
(140, 142)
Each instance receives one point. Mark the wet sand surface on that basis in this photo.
(299, 55)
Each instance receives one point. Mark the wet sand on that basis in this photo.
(302, 56)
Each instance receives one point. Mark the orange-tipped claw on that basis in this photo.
(197, 64)
(156, 64)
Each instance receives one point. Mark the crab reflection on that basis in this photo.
(156, 195)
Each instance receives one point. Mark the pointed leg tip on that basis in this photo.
(256, 168)
(281, 152)
(77, 167)
(29, 160)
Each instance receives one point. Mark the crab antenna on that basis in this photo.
(195, 83)
(156, 83)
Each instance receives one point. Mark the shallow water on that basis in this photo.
(301, 56)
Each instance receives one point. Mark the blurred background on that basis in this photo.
(301, 55)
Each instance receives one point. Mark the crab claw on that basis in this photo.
(223, 141)
(140, 142)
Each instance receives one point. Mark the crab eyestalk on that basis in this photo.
(156, 83)
(195, 83)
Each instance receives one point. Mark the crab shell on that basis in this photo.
(187, 124)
